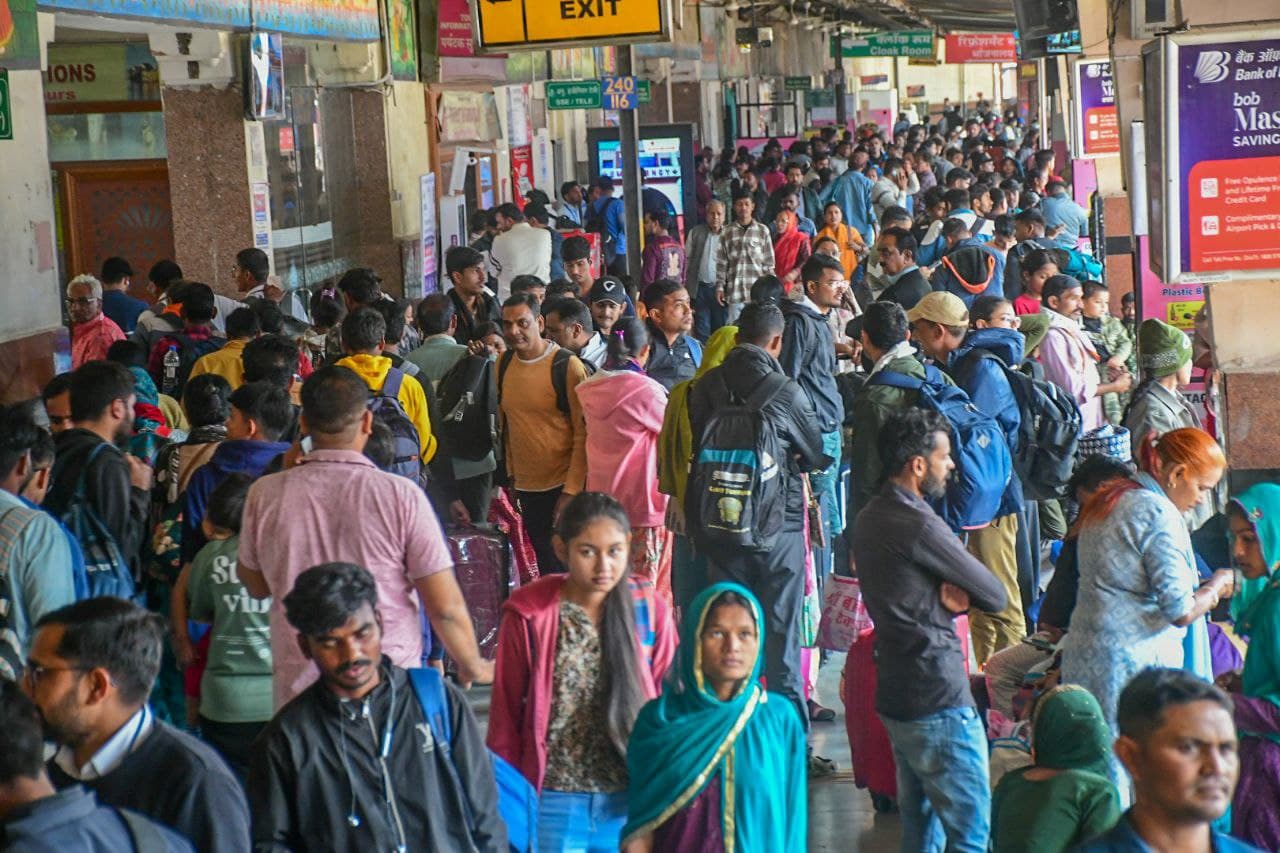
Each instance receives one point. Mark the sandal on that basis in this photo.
(820, 714)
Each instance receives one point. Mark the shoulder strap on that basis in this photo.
(695, 349)
(391, 385)
(894, 379)
(560, 378)
(503, 363)
(146, 837)
(770, 387)
(428, 686)
(82, 483)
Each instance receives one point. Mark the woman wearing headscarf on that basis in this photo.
(1140, 601)
(716, 763)
(1254, 518)
(1065, 797)
(848, 241)
(675, 450)
(790, 248)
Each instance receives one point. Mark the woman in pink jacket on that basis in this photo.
(623, 409)
(578, 655)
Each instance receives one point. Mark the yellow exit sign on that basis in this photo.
(504, 25)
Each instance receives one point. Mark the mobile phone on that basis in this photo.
(305, 444)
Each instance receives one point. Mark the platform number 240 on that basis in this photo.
(619, 93)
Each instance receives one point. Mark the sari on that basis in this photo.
(845, 237)
(1049, 815)
(790, 250)
(1257, 708)
(150, 429)
(752, 746)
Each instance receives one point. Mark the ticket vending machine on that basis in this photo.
(666, 166)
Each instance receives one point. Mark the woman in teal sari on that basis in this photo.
(1254, 519)
(716, 763)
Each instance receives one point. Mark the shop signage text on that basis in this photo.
(355, 20)
(981, 47)
(916, 43)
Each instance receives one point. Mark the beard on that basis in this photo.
(934, 487)
(124, 432)
(61, 725)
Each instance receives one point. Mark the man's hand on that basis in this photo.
(459, 515)
(1116, 363)
(482, 673)
(955, 599)
(720, 296)
(140, 474)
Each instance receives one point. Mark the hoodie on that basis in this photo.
(373, 370)
(970, 269)
(809, 357)
(231, 457)
(523, 687)
(989, 389)
(624, 411)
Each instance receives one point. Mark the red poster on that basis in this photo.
(521, 172)
(455, 28)
(981, 47)
(1232, 214)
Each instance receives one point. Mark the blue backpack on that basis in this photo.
(517, 799)
(978, 446)
(386, 408)
(106, 569)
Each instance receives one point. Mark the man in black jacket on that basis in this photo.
(352, 763)
(776, 577)
(907, 285)
(117, 485)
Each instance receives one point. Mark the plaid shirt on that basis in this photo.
(746, 253)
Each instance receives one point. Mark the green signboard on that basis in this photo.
(644, 91)
(573, 95)
(914, 43)
(799, 84)
(821, 98)
(6, 107)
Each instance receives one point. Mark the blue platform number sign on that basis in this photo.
(619, 93)
(6, 108)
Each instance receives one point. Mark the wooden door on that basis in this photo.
(120, 209)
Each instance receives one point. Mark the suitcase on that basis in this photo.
(482, 564)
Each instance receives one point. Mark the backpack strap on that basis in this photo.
(503, 363)
(146, 837)
(695, 349)
(391, 385)
(82, 485)
(560, 378)
(894, 379)
(769, 388)
(972, 288)
(428, 686)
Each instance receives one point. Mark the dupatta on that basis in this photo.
(788, 246)
(1261, 618)
(675, 442)
(754, 742)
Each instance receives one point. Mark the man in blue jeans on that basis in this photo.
(916, 576)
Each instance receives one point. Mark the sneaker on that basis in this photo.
(819, 767)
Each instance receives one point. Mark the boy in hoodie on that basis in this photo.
(663, 255)
(260, 414)
(364, 334)
(674, 354)
(940, 323)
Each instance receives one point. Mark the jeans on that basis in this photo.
(233, 741)
(708, 314)
(580, 822)
(538, 510)
(943, 789)
(475, 494)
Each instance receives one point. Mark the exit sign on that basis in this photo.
(6, 107)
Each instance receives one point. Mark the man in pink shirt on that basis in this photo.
(92, 332)
(1068, 355)
(334, 505)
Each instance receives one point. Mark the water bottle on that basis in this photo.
(171, 362)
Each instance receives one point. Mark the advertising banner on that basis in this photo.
(101, 72)
(428, 187)
(19, 35)
(1097, 120)
(454, 29)
(355, 20)
(981, 47)
(1177, 305)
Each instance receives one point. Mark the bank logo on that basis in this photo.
(1212, 66)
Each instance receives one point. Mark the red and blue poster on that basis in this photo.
(1228, 150)
(1097, 120)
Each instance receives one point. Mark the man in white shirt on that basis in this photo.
(520, 249)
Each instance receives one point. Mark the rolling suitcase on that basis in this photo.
(482, 563)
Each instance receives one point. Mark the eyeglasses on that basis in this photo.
(82, 300)
(34, 672)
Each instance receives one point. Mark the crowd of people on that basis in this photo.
(232, 537)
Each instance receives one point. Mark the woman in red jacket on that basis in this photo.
(578, 655)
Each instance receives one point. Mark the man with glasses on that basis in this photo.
(907, 285)
(90, 669)
(92, 332)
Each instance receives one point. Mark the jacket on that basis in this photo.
(373, 369)
(852, 191)
(317, 764)
(989, 389)
(1156, 409)
(225, 362)
(624, 411)
(671, 363)
(790, 412)
(488, 312)
(1062, 210)
(71, 819)
(809, 205)
(909, 289)
(694, 246)
(120, 506)
(230, 457)
(663, 257)
(523, 690)
(809, 357)
(970, 269)
(886, 194)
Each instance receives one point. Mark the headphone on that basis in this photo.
(388, 735)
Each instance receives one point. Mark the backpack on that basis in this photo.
(736, 495)
(978, 447)
(1048, 432)
(386, 407)
(1076, 264)
(145, 835)
(106, 569)
(695, 350)
(517, 799)
(189, 352)
(597, 223)
(559, 375)
(952, 279)
(467, 402)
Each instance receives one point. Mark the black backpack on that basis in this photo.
(467, 402)
(596, 223)
(189, 352)
(737, 491)
(1049, 431)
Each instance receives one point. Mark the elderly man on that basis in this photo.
(92, 332)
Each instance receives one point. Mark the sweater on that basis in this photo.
(623, 412)
(545, 447)
(179, 781)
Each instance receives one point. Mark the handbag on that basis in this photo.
(844, 616)
(1107, 440)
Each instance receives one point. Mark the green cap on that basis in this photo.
(1163, 349)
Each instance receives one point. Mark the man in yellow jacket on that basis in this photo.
(363, 335)
(242, 326)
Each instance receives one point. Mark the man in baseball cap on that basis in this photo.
(609, 301)
(940, 325)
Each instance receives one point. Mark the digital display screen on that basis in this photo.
(659, 167)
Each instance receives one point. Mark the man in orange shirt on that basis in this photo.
(92, 332)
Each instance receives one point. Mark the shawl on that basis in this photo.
(788, 246)
(1070, 731)
(754, 742)
(1261, 618)
(675, 442)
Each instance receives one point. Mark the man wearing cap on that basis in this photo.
(940, 325)
(1068, 355)
(576, 253)
(609, 302)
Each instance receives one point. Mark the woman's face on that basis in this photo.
(1185, 488)
(831, 215)
(597, 557)
(781, 223)
(1035, 279)
(1246, 547)
(730, 643)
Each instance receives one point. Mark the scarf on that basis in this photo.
(754, 742)
(1070, 731)
(899, 350)
(844, 237)
(675, 442)
(150, 430)
(1260, 618)
(1072, 328)
(787, 246)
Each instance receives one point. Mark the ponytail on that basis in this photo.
(625, 342)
